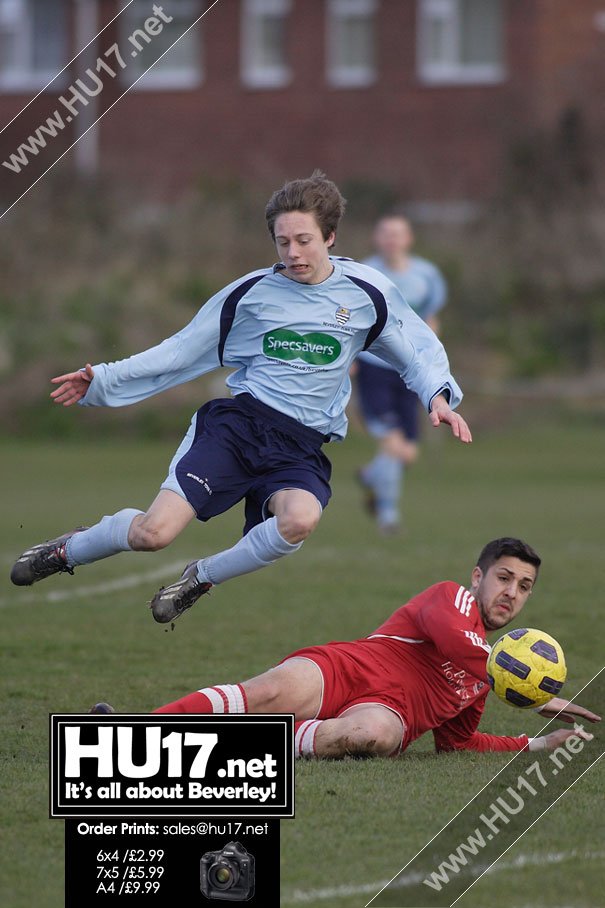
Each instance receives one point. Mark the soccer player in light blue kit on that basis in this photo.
(291, 332)
(389, 408)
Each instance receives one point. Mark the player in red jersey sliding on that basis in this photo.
(422, 670)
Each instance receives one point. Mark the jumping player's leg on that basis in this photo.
(128, 530)
(363, 730)
(284, 480)
(132, 530)
(293, 686)
(296, 513)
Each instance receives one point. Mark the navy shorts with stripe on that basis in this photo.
(240, 449)
(386, 403)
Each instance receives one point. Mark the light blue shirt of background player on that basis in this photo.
(422, 286)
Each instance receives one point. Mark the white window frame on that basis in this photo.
(340, 76)
(24, 77)
(253, 74)
(162, 78)
(450, 73)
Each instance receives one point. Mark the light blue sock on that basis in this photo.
(369, 472)
(108, 537)
(263, 545)
(387, 474)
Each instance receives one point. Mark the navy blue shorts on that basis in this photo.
(386, 403)
(239, 448)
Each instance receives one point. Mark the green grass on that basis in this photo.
(357, 822)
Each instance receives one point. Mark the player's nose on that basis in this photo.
(512, 589)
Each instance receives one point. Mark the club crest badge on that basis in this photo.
(343, 315)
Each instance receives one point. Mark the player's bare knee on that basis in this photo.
(263, 693)
(145, 536)
(411, 455)
(372, 737)
(296, 525)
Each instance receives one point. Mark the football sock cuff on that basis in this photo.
(226, 698)
(107, 537)
(222, 698)
(304, 737)
(263, 545)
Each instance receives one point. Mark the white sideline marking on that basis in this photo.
(301, 897)
(129, 582)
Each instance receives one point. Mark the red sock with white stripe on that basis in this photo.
(222, 698)
(304, 737)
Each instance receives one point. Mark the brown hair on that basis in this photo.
(316, 194)
(507, 545)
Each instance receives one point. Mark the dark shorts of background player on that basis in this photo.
(240, 449)
(355, 673)
(386, 403)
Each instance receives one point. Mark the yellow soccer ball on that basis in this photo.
(526, 668)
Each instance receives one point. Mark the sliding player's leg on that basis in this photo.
(363, 730)
(294, 686)
(128, 530)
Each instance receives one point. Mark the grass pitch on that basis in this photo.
(69, 642)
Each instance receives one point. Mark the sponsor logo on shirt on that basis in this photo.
(316, 348)
(456, 680)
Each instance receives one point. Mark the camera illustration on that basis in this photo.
(227, 874)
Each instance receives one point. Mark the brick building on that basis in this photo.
(427, 96)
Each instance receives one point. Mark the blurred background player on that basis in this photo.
(389, 408)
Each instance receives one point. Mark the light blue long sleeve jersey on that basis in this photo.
(292, 345)
(421, 285)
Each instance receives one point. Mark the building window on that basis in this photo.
(461, 41)
(33, 43)
(179, 67)
(264, 43)
(351, 44)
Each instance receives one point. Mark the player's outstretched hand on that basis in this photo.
(72, 386)
(557, 738)
(442, 412)
(566, 711)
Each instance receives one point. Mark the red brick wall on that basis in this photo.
(431, 142)
(570, 55)
(436, 143)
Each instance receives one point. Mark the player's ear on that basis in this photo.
(330, 241)
(476, 577)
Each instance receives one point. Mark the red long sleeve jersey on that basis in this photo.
(439, 640)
